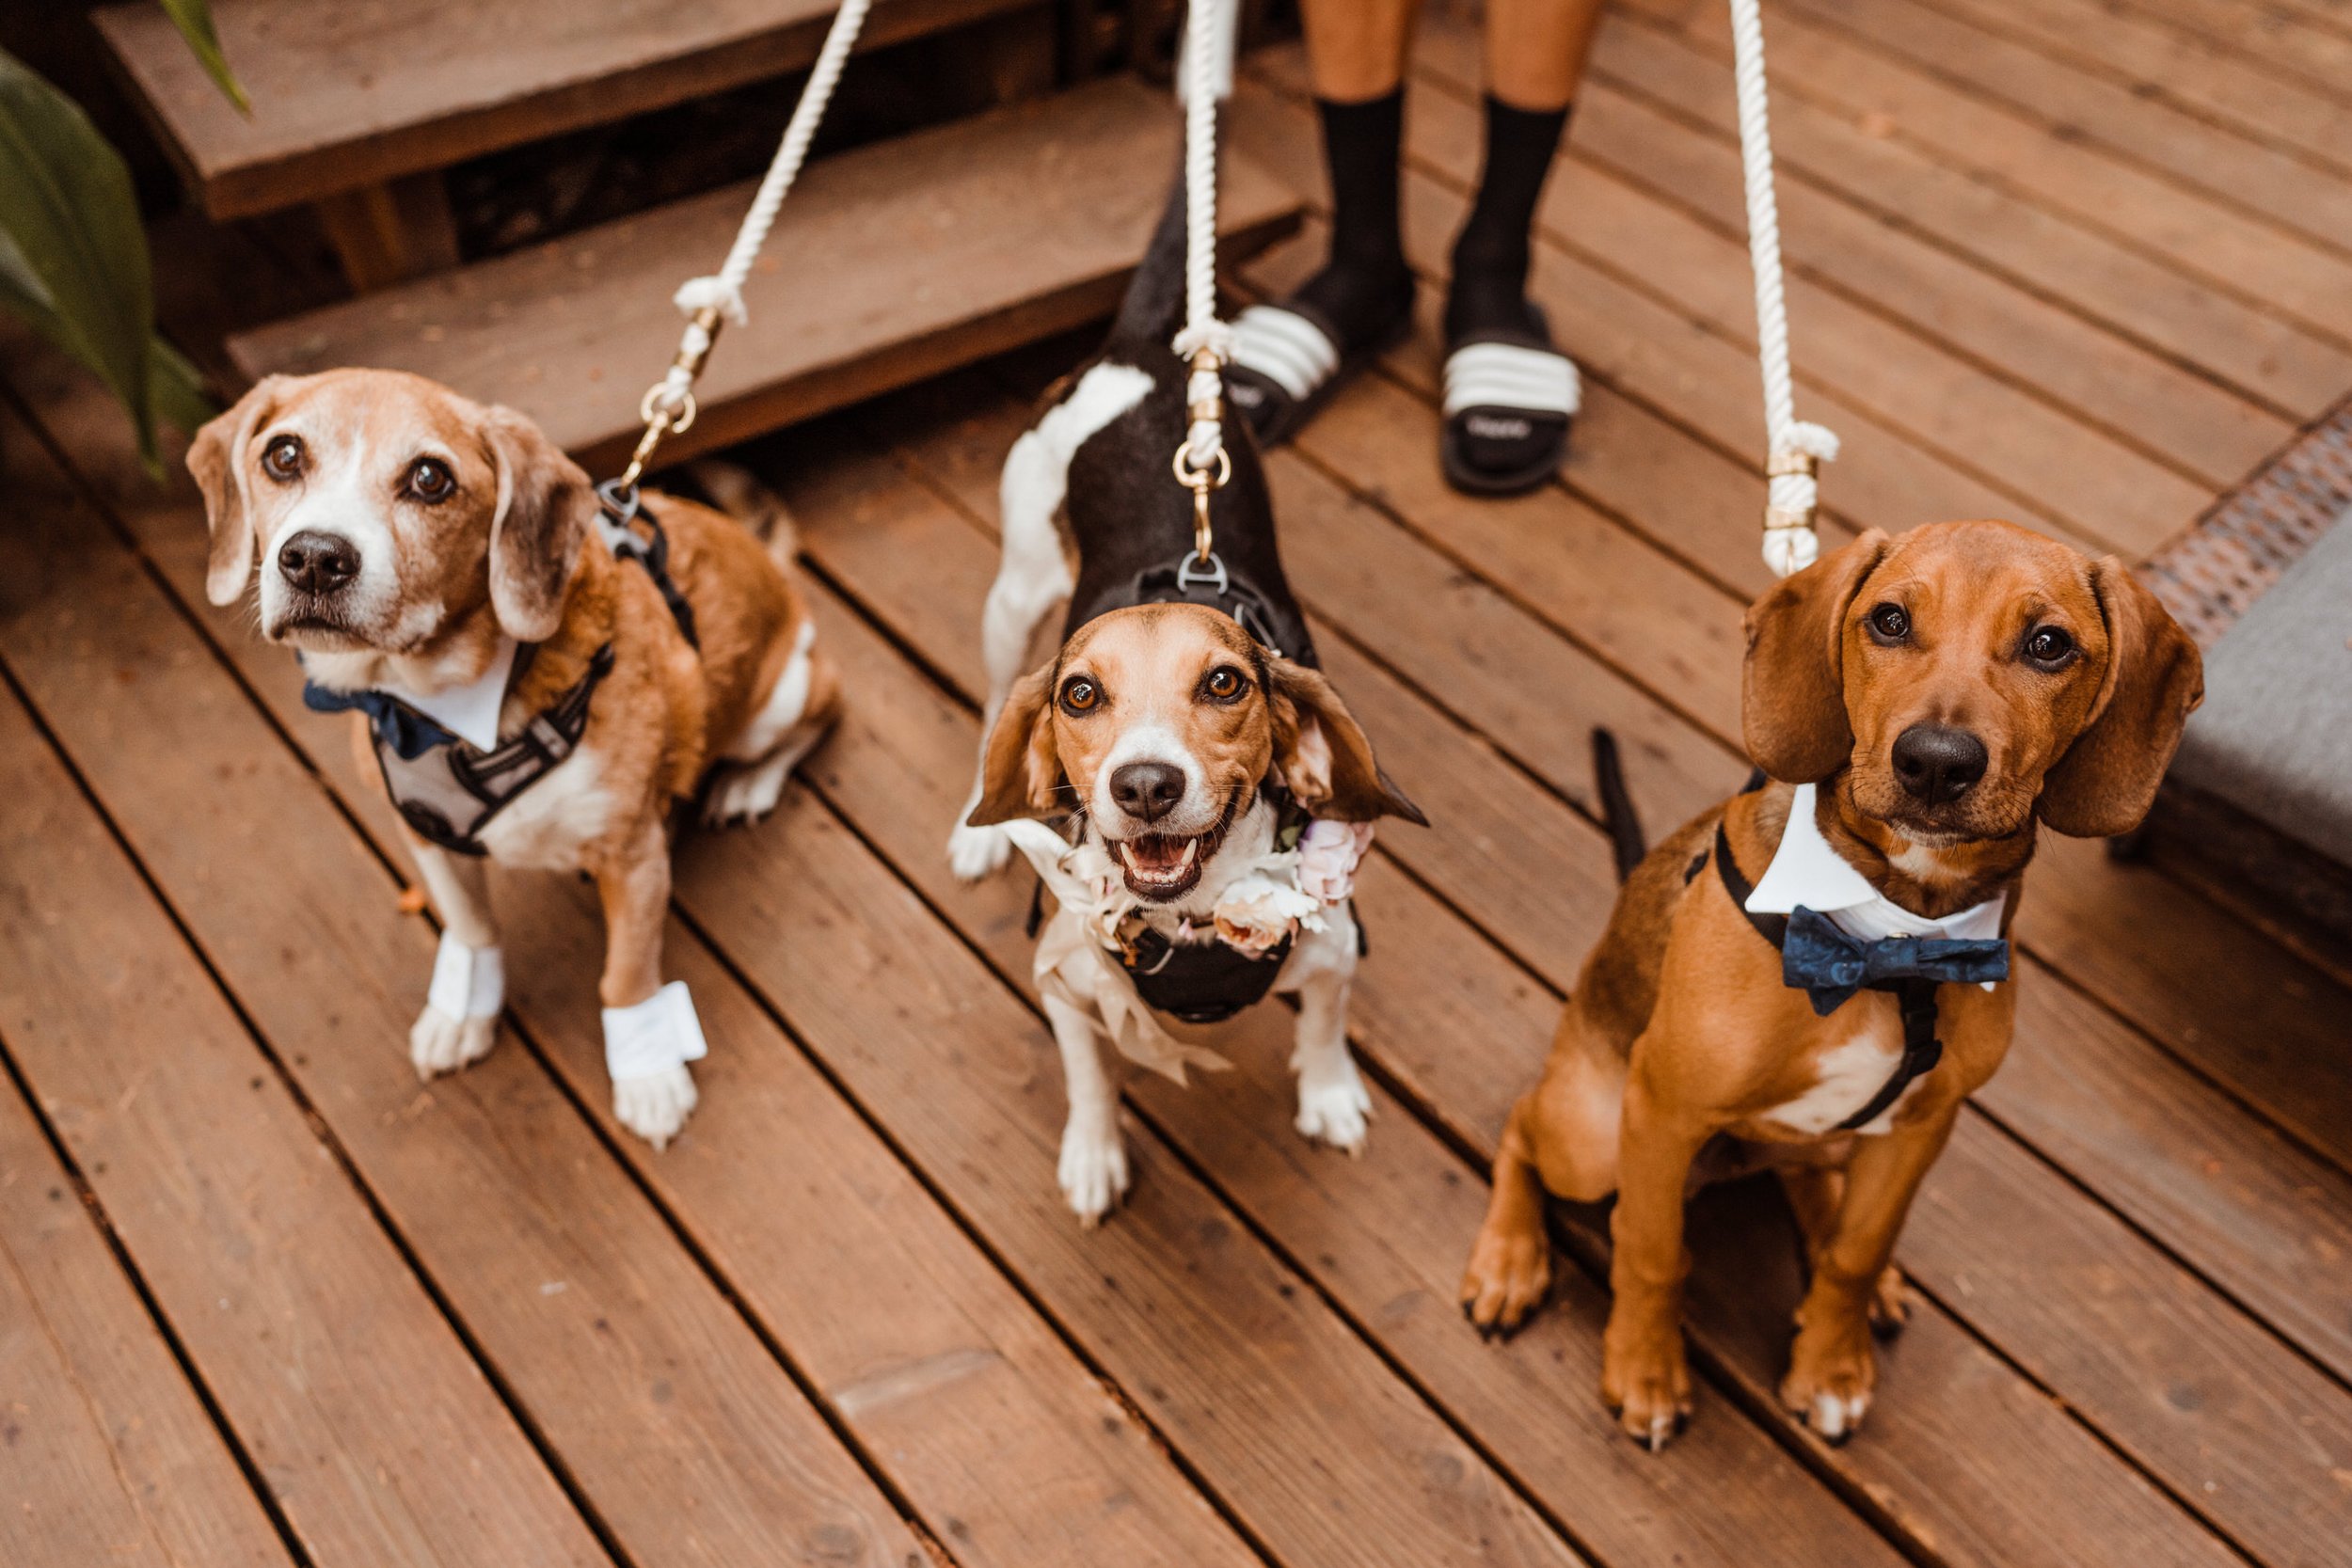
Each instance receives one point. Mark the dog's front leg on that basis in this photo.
(1334, 1107)
(1645, 1374)
(1093, 1167)
(460, 1021)
(650, 1030)
(1832, 1368)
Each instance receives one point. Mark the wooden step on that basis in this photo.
(356, 93)
(890, 264)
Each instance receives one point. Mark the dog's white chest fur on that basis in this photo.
(547, 826)
(1853, 1069)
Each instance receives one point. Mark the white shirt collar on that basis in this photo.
(470, 712)
(1807, 871)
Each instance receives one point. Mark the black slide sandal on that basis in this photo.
(1288, 362)
(1509, 401)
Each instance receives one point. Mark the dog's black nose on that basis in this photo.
(318, 563)
(1937, 763)
(1148, 789)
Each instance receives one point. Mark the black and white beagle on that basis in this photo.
(1217, 791)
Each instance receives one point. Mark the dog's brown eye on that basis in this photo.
(1224, 685)
(1079, 694)
(1891, 622)
(2049, 646)
(282, 458)
(429, 480)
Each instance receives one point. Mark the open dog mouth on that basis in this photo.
(1161, 867)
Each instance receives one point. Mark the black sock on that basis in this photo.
(1490, 258)
(1366, 284)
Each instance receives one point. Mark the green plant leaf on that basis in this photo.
(194, 18)
(75, 258)
(181, 400)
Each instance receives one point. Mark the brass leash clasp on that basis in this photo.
(672, 414)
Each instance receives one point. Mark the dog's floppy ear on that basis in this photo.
(216, 458)
(1792, 687)
(544, 507)
(2154, 679)
(1021, 769)
(1322, 754)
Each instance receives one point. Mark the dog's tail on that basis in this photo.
(1155, 306)
(1616, 805)
(745, 496)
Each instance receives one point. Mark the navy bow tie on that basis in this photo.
(408, 733)
(1830, 966)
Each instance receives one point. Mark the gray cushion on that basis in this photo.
(2275, 736)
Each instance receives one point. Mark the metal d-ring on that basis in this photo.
(1188, 574)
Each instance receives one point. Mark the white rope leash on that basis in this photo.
(1790, 543)
(1205, 341)
(706, 301)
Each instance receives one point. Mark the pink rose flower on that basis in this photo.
(1329, 853)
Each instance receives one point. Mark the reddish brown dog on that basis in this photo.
(1940, 696)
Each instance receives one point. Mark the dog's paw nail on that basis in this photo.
(1834, 1418)
(1093, 1173)
(1336, 1113)
(438, 1043)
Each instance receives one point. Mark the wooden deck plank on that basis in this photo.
(337, 1372)
(351, 95)
(2289, 193)
(1203, 1327)
(2154, 62)
(897, 261)
(2220, 245)
(1415, 1003)
(2257, 351)
(2303, 48)
(112, 1458)
(632, 1367)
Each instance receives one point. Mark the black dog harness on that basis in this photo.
(1208, 982)
(446, 788)
(1818, 957)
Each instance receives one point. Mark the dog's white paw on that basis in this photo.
(656, 1105)
(745, 792)
(975, 853)
(1335, 1109)
(438, 1043)
(1093, 1170)
(1836, 1416)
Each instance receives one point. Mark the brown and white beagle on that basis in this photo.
(1776, 977)
(528, 696)
(1221, 790)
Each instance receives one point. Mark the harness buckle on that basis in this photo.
(1189, 574)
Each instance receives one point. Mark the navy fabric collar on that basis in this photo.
(408, 733)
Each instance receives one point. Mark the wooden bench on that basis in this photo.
(359, 104)
(890, 264)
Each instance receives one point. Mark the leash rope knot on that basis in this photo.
(668, 407)
(1796, 448)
